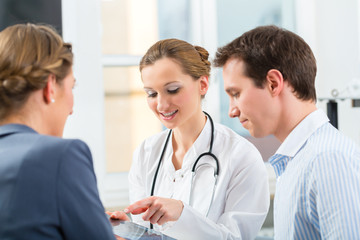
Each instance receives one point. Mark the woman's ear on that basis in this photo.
(50, 89)
(275, 82)
(204, 84)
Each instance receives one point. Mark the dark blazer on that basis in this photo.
(48, 188)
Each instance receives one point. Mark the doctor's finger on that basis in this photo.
(139, 210)
(156, 217)
(119, 215)
(150, 212)
(162, 220)
(140, 206)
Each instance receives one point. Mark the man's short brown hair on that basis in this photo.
(270, 47)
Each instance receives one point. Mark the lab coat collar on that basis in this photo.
(298, 137)
(201, 144)
(8, 129)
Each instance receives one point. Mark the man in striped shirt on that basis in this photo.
(269, 75)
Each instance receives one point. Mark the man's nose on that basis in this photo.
(233, 110)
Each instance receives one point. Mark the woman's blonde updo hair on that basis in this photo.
(28, 54)
(193, 59)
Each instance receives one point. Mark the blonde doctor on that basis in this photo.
(223, 195)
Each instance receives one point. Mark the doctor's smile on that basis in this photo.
(168, 115)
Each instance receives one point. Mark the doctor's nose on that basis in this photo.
(162, 103)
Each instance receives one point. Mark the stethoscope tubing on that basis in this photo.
(159, 164)
(209, 153)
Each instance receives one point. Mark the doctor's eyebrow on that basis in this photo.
(169, 83)
(148, 88)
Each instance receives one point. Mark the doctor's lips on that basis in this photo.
(168, 115)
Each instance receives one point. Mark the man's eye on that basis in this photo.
(235, 95)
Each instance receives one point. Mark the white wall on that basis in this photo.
(82, 28)
(204, 33)
(331, 28)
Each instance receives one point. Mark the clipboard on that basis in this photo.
(133, 231)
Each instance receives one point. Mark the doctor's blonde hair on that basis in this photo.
(193, 59)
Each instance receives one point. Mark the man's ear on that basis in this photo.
(274, 82)
(50, 89)
(204, 84)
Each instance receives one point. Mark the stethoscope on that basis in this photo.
(208, 153)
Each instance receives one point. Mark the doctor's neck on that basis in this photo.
(185, 135)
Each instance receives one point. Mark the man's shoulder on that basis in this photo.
(329, 139)
(328, 147)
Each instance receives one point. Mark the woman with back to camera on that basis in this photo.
(48, 185)
(175, 75)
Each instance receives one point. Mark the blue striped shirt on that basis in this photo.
(318, 183)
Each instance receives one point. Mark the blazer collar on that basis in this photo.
(8, 129)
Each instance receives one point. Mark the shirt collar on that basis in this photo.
(297, 138)
(8, 129)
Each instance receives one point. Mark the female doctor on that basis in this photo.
(163, 189)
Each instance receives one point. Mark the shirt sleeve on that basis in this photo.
(81, 212)
(246, 206)
(335, 197)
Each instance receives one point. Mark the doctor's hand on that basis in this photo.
(157, 210)
(120, 215)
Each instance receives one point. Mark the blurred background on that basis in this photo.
(110, 36)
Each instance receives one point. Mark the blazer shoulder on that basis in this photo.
(58, 149)
(61, 143)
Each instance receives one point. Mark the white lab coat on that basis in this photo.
(241, 198)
